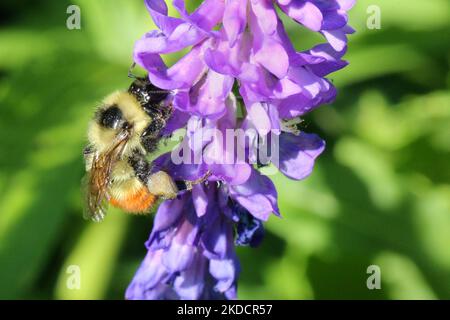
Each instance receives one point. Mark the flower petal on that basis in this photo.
(258, 195)
(304, 12)
(225, 272)
(234, 19)
(184, 35)
(182, 74)
(183, 171)
(298, 153)
(150, 273)
(158, 10)
(200, 199)
(266, 16)
(208, 14)
(190, 284)
(178, 257)
(232, 174)
(168, 213)
(331, 60)
(338, 37)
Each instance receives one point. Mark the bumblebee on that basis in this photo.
(127, 127)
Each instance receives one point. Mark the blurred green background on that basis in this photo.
(379, 195)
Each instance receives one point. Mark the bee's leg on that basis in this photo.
(142, 168)
(160, 112)
(159, 183)
(154, 128)
(188, 185)
(162, 185)
(167, 112)
(152, 134)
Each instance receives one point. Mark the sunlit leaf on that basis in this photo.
(94, 254)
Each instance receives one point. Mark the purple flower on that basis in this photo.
(329, 17)
(241, 74)
(191, 248)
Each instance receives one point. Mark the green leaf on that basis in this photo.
(94, 255)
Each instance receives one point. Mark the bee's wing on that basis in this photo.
(95, 204)
(98, 178)
(91, 211)
(96, 185)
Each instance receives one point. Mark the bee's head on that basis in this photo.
(119, 117)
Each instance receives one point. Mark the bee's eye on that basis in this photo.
(110, 117)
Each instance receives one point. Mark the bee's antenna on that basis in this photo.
(130, 71)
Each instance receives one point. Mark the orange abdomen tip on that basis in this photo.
(136, 202)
